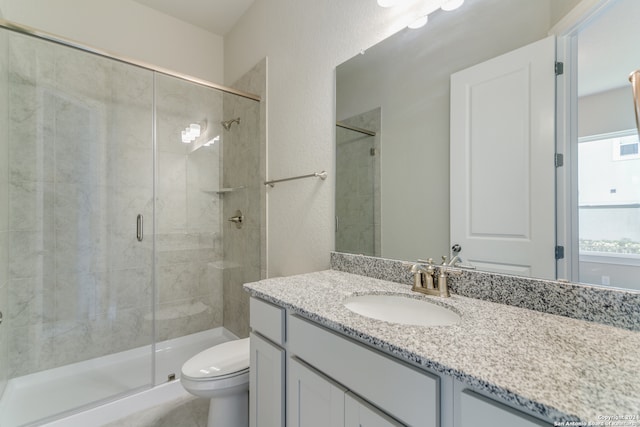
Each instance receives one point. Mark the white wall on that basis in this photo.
(304, 40)
(606, 112)
(128, 29)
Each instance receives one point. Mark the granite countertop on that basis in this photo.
(561, 368)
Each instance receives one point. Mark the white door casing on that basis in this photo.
(502, 162)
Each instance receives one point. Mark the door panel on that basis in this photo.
(502, 161)
(313, 399)
(266, 384)
(360, 414)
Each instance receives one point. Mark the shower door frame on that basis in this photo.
(43, 35)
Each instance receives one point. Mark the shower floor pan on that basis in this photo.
(45, 396)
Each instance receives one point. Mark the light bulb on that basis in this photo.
(452, 4)
(194, 129)
(387, 3)
(185, 137)
(391, 3)
(419, 23)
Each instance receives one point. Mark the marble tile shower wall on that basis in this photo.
(358, 185)
(81, 163)
(80, 169)
(4, 203)
(244, 166)
(189, 241)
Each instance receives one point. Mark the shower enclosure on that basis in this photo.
(358, 207)
(113, 231)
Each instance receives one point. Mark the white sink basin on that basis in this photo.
(402, 309)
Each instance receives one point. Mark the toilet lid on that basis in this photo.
(220, 360)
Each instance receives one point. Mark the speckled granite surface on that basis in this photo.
(615, 307)
(561, 368)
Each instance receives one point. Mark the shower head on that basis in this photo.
(227, 124)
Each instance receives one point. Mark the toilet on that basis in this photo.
(221, 374)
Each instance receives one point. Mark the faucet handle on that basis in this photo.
(429, 261)
(444, 260)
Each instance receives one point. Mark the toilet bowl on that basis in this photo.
(221, 374)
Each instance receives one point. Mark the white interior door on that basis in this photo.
(502, 162)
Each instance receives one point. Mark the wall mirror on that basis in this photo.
(393, 163)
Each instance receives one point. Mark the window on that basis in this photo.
(609, 194)
(625, 147)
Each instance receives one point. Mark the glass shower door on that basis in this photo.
(188, 225)
(79, 322)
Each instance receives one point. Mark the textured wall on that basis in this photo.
(304, 40)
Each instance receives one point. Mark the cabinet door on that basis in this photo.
(313, 400)
(360, 414)
(478, 411)
(266, 387)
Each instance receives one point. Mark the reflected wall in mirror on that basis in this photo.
(407, 77)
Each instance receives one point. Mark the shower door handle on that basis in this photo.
(139, 225)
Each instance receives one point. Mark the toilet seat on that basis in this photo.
(221, 374)
(221, 362)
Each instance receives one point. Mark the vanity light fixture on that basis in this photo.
(391, 3)
(190, 133)
(451, 5)
(428, 7)
(419, 23)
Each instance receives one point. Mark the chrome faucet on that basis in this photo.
(427, 280)
(456, 261)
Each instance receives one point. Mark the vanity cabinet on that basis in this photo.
(474, 410)
(405, 393)
(267, 359)
(317, 401)
(327, 380)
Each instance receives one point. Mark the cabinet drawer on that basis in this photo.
(480, 411)
(267, 319)
(404, 392)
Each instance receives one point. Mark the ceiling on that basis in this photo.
(215, 16)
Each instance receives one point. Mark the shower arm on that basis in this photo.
(634, 78)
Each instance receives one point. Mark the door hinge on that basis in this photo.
(559, 252)
(559, 160)
(559, 68)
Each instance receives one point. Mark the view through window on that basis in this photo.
(609, 208)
